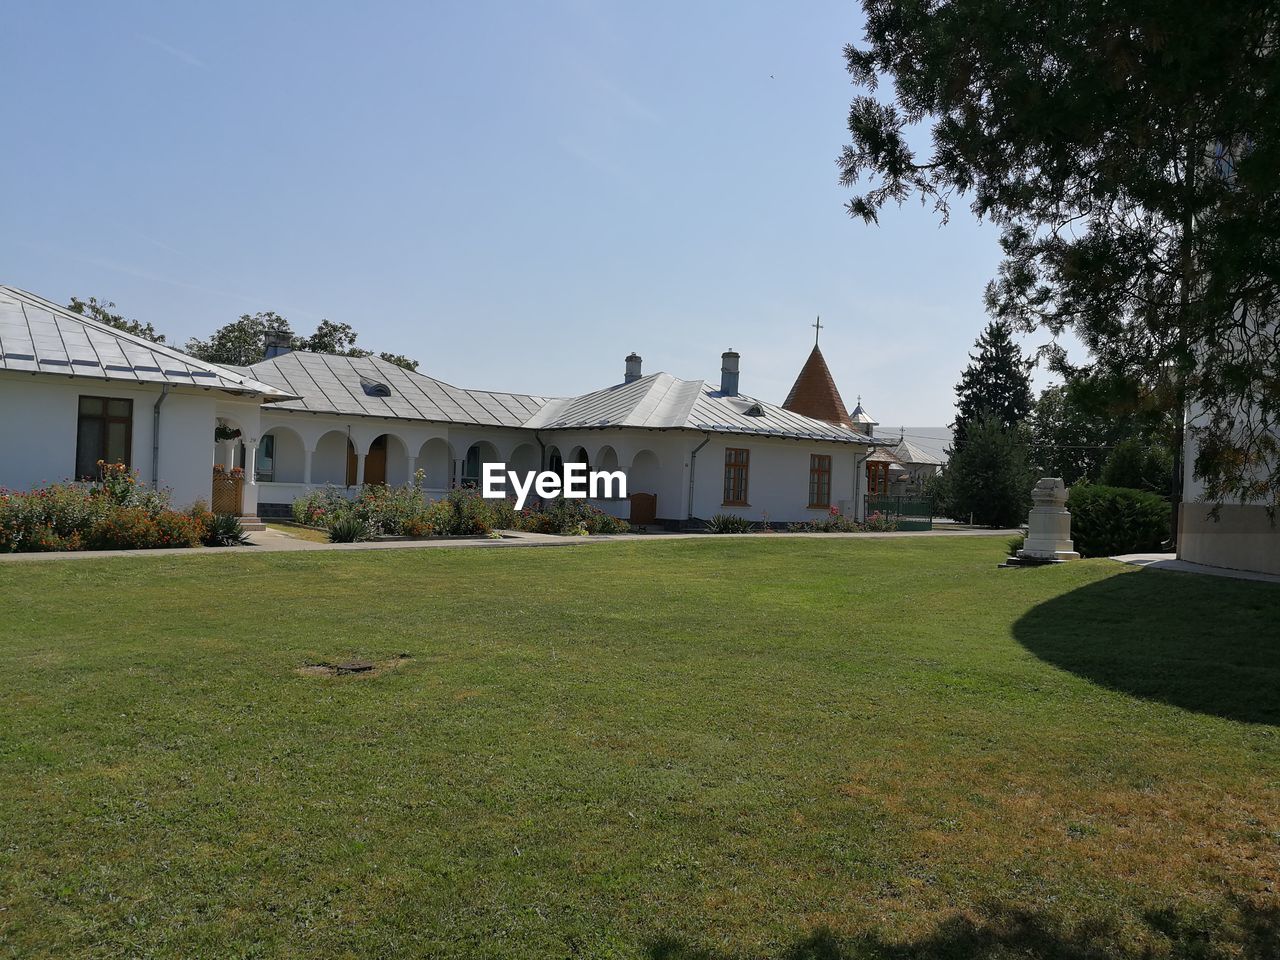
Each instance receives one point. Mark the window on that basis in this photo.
(374, 388)
(819, 480)
(265, 462)
(735, 476)
(104, 432)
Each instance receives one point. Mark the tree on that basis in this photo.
(997, 382)
(242, 342)
(1128, 151)
(331, 337)
(1068, 440)
(95, 309)
(1076, 430)
(1139, 464)
(989, 476)
(400, 360)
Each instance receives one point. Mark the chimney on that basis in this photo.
(276, 343)
(729, 373)
(633, 368)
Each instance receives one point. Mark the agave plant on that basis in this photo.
(224, 530)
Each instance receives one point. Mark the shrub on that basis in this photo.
(224, 530)
(351, 528)
(1106, 521)
(564, 517)
(728, 523)
(1014, 544)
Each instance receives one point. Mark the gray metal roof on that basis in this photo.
(663, 402)
(37, 336)
(908, 452)
(859, 415)
(328, 383)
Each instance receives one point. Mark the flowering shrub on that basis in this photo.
(569, 518)
(113, 513)
(835, 522)
(404, 511)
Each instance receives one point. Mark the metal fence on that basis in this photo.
(910, 513)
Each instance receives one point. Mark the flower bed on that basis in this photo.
(114, 513)
(383, 511)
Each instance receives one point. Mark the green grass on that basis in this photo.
(680, 749)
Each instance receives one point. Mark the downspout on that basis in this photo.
(693, 458)
(155, 437)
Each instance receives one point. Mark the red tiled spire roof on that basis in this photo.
(815, 394)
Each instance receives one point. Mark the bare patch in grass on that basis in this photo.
(352, 668)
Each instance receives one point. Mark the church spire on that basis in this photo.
(814, 393)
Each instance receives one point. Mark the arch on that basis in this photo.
(555, 459)
(524, 458)
(579, 455)
(606, 458)
(387, 460)
(644, 473)
(282, 456)
(334, 460)
(435, 460)
(478, 454)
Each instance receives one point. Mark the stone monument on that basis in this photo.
(1048, 526)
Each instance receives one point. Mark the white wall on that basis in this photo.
(778, 478)
(38, 417)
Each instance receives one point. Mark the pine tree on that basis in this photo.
(989, 477)
(996, 383)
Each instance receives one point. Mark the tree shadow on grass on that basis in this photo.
(1252, 933)
(1201, 643)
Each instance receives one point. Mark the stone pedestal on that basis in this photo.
(1049, 525)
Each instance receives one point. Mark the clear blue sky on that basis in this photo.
(515, 194)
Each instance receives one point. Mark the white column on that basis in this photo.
(412, 464)
(229, 455)
(250, 462)
(359, 469)
(306, 466)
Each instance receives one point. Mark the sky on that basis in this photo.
(517, 195)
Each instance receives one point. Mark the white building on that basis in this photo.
(74, 391)
(1242, 537)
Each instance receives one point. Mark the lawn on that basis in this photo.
(683, 749)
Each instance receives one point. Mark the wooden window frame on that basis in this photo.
(104, 421)
(733, 466)
(819, 471)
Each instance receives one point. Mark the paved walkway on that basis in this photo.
(276, 541)
(1167, 561)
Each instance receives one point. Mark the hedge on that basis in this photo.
(1107, 521)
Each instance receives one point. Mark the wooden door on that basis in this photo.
(375, 462)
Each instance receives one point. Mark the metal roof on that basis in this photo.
(663, 402)
(37, 336)
(908, 452)
(859, 415)
(329, 383)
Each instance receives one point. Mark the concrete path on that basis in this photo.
(275, 541)
(1167, 561)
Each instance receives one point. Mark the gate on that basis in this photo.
(908, 513)
(228, 494)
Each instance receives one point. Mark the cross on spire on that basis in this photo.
(817, 329)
